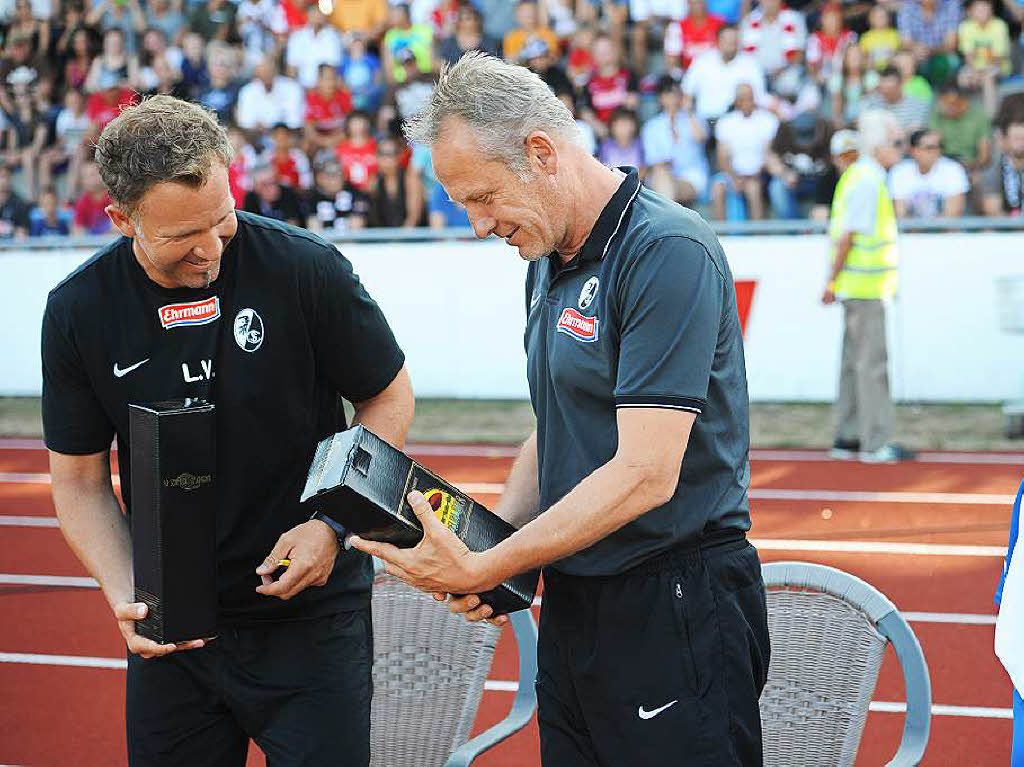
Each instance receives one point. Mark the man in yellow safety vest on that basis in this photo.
(864, 274)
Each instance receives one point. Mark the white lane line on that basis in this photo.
(36, 478)
(814, 456)
(968, 619)
(74, 581)
(938, 709)
(492, 685)
(62, 660)
(859, 496)
(14, 520)
(880, 547)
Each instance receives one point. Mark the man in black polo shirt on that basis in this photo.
(653, 638)
(271, 324)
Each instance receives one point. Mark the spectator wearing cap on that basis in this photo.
(712, 80)
(774, 35)
(984, 42)
(926, 184)
(692, 37)
(270, 99)
(271, 199)
(362, 75)
(310, 47)
(221, 95)
(623, 147)
(611, 85)
(911, 113)
(114, 64)
(48, 219)
(91, 206)
(14, 211)
(106, 102)
(214, 20)
(408, 97)
(334, 205)
(673, 142)
(537, 57)
(327, 105)
(744, 136)
(826, 46)
(290, 164)
(864, 274)
(882, 40)
(357, 152)
(1002, 184)
(123, 15)
(930, 28)
(402, 34)
(394, 201)
(798, 167)
(468, 35)
(529, 26)
(965, 130)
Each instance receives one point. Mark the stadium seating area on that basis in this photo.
(725, 105)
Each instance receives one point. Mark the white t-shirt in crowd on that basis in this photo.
(284, 103)
(307, 50)
(712, 82)
(924, 193)
(747, 139)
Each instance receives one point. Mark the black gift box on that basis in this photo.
(362, 483)
(173, 519)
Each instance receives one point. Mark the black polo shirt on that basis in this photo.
(644, 316)
(283, 332)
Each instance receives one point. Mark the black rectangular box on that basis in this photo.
(361, 482)
(173, 519)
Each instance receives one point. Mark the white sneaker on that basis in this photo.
(887, 454)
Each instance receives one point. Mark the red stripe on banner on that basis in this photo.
(744, 300)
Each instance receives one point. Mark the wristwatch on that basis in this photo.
(339, 530)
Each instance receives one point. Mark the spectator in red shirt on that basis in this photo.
(326, 108)
(107, 102)
(696, 34)
(825, 48)
(91, 208)
(611, 86)
(357, 152)
(290, 163)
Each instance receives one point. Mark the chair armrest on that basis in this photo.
(524, 702)
(917, 721)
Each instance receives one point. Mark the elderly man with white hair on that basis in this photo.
(863, 276)
(632, 491)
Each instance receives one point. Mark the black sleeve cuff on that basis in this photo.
(690, 404)
(339, 530)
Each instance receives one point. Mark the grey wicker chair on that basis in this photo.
(429, 671)
(828, 632)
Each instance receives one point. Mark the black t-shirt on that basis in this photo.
(284, 331)
(333, 212)
(13, 215)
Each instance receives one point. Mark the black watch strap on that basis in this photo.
(339, 530)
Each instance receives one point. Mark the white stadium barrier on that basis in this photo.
(457, 308)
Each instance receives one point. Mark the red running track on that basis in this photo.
(61, 714)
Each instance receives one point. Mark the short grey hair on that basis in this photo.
(876, 128)
(501, 103)
(161, 139)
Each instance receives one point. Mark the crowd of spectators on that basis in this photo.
(725, 105)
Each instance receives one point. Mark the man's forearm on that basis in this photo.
(389, 414)
(97, 532)
(610, 497)
(842, 253)
(521, 500)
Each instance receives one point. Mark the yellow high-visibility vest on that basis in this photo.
(871, 269)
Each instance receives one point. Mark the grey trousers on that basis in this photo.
(864, 409)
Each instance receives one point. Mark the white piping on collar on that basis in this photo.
(622, 216)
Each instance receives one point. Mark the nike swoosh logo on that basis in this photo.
(121, 372)
(651, 714)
